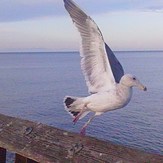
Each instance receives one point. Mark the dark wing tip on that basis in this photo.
(69, 3)
(73, 9)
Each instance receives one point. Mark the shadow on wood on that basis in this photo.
(45, 144)
(2, 155)
(21, 159)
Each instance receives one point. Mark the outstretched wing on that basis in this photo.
(94, 61)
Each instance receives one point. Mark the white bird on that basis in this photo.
(110, 89)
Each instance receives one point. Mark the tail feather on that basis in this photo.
(73, 106)
(68, 101)
(75, 113)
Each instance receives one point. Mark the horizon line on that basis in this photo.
(75, 51)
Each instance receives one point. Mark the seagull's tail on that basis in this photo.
(74, 105)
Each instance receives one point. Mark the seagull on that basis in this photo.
(107, 84)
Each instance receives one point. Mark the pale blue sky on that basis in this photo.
(44, 25)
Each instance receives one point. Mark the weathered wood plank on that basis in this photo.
(2, 155)
(47, 144)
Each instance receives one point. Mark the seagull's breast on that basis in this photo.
(124, 95)
(107, 101)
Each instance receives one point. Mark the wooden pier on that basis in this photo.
(38, 143)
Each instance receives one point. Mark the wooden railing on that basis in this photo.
(35, 142)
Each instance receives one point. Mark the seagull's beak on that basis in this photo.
(142, 87)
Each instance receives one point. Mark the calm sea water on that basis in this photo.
(33, 85)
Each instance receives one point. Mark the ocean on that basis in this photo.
(33, 85)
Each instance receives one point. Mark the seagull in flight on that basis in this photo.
(107, 84)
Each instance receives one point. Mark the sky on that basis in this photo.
(44, 25)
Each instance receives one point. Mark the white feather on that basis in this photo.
(94, 62)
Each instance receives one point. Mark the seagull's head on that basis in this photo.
(132, 81)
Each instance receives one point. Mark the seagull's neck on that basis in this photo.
(124, 90)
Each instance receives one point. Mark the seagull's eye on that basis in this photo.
(134, 78)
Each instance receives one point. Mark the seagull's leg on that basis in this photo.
(78, 116)
(83, 130)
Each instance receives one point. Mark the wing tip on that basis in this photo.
(69, 2)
